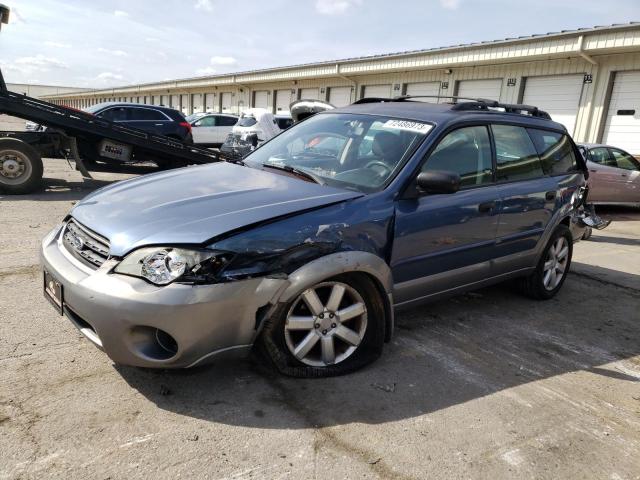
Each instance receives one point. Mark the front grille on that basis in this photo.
(85, 245)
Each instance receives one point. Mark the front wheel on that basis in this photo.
(331, 328)
(553, 267)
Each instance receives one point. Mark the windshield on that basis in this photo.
(359, 152)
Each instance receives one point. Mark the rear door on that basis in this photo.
(528, 197)
(150, 120)
(443, 241)
(629, 175)
(224, 125)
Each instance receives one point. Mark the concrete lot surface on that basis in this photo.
(485, 385)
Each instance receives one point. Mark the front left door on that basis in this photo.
(443, 241)
(604, 178)
(205, 131)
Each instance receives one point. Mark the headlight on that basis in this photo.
(163, 265)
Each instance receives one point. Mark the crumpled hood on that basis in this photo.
(191, 205)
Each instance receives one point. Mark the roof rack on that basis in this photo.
(471, 104)
(486, 105)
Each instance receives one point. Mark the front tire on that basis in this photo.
(20, 167)
(332, 328)
(552, 269)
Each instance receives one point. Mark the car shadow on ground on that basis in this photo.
(442, 354)
(617, 240)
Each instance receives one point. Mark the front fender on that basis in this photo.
(338, 263)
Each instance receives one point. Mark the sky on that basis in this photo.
(106, 43)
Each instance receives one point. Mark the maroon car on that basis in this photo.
(614, 175)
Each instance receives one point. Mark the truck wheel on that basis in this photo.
(20, 167)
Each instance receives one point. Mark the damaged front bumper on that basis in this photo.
(144, 325)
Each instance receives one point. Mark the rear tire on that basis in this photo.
(552, 269)
(329, 354)
(20, 167)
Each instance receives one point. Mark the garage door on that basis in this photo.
(558, 95)
(261, 99)
(489, 89)
(340, 96)
(225, 101)
(164, 100)
(424, 88)
(622, 127)
(380, 91)
(309, 94)
(210, 102)
(283, 99)
(184, 100)
(175, 102)
(196, 101)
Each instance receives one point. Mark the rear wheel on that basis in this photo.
(553, 267)
(20, 167)
(331, 328)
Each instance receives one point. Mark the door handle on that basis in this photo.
(593, 170)
(486, 207)
(549, 196)
(623, 174)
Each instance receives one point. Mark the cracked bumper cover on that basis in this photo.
(207, 321)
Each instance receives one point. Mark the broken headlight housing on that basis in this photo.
(164, 265)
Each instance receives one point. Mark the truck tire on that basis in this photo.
(20, 167)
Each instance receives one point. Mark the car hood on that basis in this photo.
(194, 204)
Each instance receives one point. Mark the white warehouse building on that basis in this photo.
(587, 79)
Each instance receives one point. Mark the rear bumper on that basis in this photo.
(122, 315)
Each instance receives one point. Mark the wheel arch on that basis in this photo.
(357, 262)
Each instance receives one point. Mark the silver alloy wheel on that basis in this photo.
(555, 267)
(326, 324)
(15, 167)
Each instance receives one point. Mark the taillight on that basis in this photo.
(186, 125)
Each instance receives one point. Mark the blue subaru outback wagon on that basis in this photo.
(306, 248)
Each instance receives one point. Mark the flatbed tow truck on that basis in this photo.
(78, 136)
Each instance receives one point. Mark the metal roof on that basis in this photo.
(369, 58)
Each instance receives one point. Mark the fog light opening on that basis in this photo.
(166, 341)
(152, 343)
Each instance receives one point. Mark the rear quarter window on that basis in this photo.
(555, 150)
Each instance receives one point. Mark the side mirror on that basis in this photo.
(438, 181)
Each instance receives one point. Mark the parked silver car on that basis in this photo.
(614, 175)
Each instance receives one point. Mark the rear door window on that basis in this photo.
(516, 155)
(467, 152)
(624, 160)
(146, 114)
(226, 121)
(555, 151)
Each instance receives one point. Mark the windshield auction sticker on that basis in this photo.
(407, 125)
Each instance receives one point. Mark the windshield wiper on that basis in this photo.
(295, 171)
